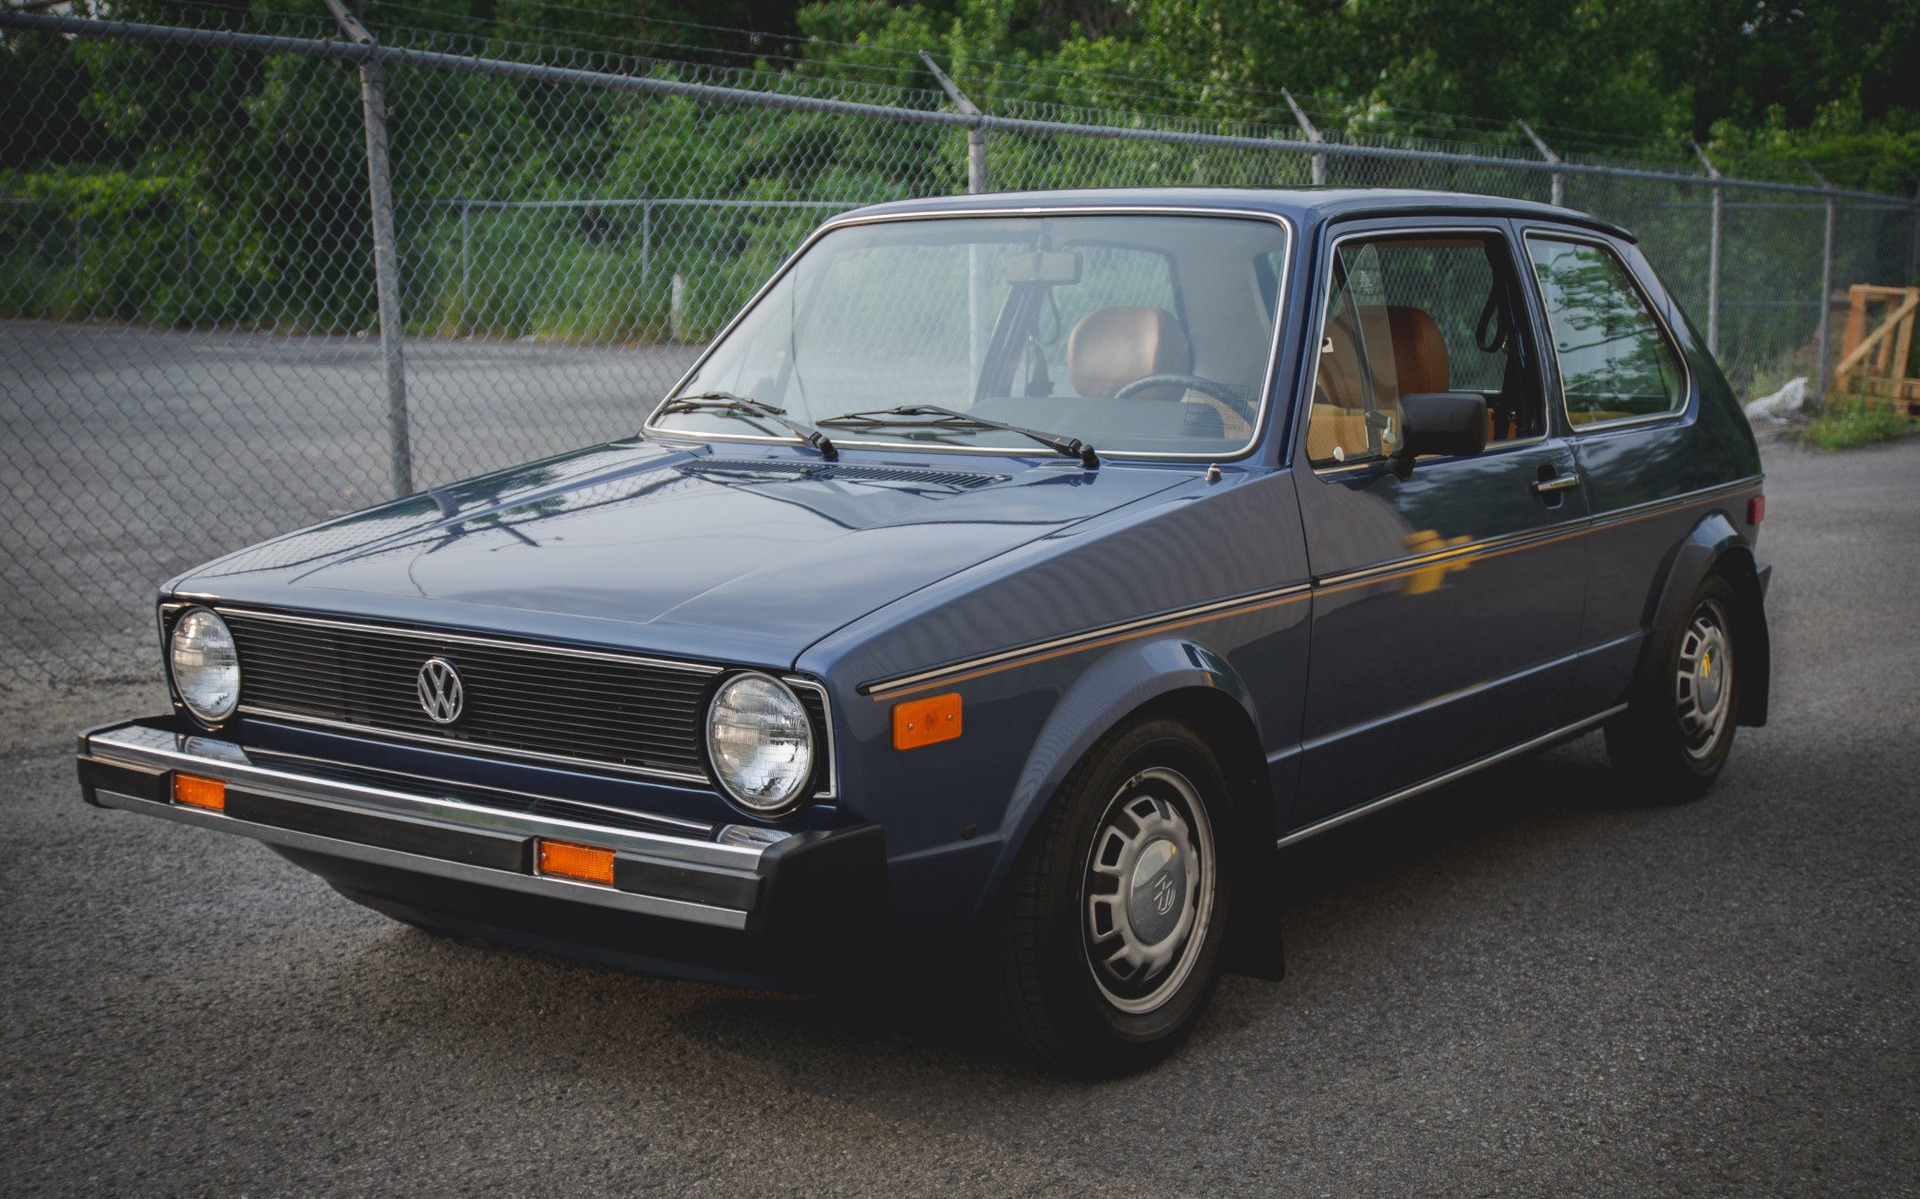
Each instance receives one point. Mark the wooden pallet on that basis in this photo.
(1874, 365)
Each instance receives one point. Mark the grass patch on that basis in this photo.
(1854, 423)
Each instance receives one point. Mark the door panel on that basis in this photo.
(1453, 639)
(1447, 605)
(1643, 439)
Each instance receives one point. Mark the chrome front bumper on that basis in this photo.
(771, 881)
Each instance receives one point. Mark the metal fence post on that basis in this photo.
(386, 270)
(1913, 271)
(1713, 254)
(976, 136)
(188, 269)
(976, 183)
(1317, 162)
(466, 276)
(1826, 293)
(1559, 179)
(646, 242)
(1821, 382)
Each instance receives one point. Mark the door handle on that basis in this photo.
(1562, 483)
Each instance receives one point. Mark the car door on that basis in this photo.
(1652, 458)
(1447, 603)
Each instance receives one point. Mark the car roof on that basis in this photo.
(1306, 206)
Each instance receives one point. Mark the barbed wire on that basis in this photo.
(766, 67)
(1381, 124)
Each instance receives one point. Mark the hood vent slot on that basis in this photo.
(765, 470)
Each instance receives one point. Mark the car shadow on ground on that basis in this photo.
(1340, 888)
(1334, 885)
(1367, 911)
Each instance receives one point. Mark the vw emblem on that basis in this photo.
(441, 696)
(1163, 895)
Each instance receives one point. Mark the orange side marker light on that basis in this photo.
(585, 862)
(926, 721)
(197, 792)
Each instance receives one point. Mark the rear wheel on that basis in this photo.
(1677, 732)
(1109, 944)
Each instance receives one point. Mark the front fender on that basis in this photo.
(1126, 679)
(1715, 545)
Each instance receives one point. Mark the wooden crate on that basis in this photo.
(1874, 364)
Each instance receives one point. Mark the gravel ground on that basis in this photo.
(1520, 985)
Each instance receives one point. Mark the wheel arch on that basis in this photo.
(1716, 546)
(1174, 678)
(1180, 680)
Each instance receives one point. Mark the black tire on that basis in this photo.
(1674, 738)
(1108, 943)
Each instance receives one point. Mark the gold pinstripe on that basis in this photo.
(1098, 638)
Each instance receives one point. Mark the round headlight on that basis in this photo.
(760, 741)
(205, 665)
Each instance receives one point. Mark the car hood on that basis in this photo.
(674, 551)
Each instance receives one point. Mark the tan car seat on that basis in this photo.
(1111, 347)
(1419, 363)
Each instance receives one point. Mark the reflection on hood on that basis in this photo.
(773, 551)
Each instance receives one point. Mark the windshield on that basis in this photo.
(1145, 334)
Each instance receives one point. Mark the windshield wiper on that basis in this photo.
(948, 418)
(726, 401)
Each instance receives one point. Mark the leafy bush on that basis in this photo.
(1855, 422)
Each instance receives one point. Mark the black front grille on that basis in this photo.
(520, 698)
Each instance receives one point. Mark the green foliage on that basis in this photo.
(1839, 144)
(1642, 76)
(185, 186)
(103, 243)
(1853, 423)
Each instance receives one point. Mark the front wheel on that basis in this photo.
(1109, 944)
(1677, 732)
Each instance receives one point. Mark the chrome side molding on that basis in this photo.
(1441, 780)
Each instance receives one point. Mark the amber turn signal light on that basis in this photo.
(925, 721)
(197, 792)
(585, 862)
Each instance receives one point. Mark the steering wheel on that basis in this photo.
(1219, 391)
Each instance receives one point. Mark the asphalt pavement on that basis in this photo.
(1524, 984)
(134, 453)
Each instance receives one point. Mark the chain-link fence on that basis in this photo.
(192, 355)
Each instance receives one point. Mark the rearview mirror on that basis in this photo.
(1440, 422)
(1044, 266)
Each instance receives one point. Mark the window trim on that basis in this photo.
(1323, 273)
(1549, 233)
(1270, 378)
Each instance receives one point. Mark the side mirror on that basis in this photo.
(1439, 422)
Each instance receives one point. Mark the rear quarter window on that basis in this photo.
(1616, 361)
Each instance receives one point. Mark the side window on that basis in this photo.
(1615, 361)
(1414, 314)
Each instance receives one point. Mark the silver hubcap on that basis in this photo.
(1148, 890)
(1703, 684)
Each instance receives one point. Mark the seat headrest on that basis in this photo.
(1339, 378)
(1111, 347)
(1419, 351)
